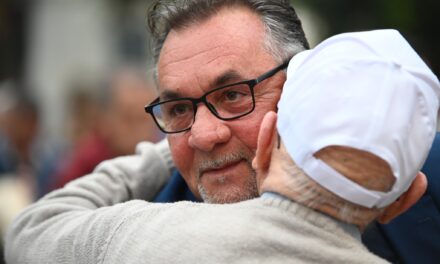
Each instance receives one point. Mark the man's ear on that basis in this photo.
(406, 200)
(266, 140)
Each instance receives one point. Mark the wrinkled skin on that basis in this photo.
(215, 156)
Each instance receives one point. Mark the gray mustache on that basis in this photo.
(221, 161)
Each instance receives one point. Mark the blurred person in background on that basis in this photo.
(20, 159)
(20, 122)
(106, 127)
(83, 107)
(125, 123)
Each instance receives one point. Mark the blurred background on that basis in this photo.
(416, 20)
(75, 74)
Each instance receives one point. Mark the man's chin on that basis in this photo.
(232, 194)
(233, 183)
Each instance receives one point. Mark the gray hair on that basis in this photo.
(315, 196)
(284, 34)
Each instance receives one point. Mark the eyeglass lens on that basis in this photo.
(226, 103)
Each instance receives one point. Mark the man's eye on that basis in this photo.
(179, 109)
(233, 95)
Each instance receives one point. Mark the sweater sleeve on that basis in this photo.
(74, 224)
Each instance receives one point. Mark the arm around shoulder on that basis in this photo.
(79, 218)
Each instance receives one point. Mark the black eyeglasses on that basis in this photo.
(228, 102)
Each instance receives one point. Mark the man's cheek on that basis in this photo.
(179, 151)
(183, 158)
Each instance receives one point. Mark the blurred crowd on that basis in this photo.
(103, 122)
(73, 84)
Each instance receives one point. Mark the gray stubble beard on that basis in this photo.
(235, 194)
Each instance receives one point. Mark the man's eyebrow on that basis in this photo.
(169, 95)
(227, 78)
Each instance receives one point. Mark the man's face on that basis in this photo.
(215, 156)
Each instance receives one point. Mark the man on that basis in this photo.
(202, 45)
(300, 217)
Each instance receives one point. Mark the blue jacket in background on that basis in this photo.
(413, 237)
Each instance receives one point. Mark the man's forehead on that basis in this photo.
(196, 50)
(227, 47)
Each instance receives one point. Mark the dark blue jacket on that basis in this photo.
(413, 237)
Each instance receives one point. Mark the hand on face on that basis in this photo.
(266, 142)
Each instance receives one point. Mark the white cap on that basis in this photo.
(365, 90)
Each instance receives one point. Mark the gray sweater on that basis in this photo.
(101, 218)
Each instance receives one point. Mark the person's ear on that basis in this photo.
(266, 140)
(406, 200)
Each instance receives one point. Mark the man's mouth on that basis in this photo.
(218, 172)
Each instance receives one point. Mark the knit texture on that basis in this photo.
(95, 220)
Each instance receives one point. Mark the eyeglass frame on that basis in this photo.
(202, 99)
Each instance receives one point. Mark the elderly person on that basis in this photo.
(321, 182)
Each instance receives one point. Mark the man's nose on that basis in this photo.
(207, 130)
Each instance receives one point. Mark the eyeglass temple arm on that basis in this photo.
(147, 108)
(272, 72)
